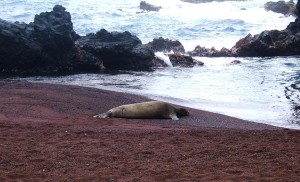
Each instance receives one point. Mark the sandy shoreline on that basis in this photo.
(47, 133)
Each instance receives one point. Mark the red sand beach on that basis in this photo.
(47, 133)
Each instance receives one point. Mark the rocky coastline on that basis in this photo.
(285, 8)
(47, 131)
(266, 44)
(49, 45)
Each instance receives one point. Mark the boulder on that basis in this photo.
(148, 7)
(46, 45)
(212, 52)
(49, 45)
(159, 63)
(268, 43)
(55, 30)
(271, 43)
(181, 60)
(236, 62)
(286, 8)
(294, 27)
(166, 45)
(118, 50)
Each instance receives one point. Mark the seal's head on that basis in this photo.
(182, 112)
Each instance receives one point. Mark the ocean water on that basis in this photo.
(264, 90)
(218, 24)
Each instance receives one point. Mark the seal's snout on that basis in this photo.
(182, 112)
(104, 115)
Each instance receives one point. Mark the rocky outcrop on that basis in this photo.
(236, 62)
(286, 8)
(118, 50)
(207, 1)
(181, 60)
(148, 7)
(294, 27)
(212, 52)
(49, 45)
(268, 43)
(166, 45)
(45, 46)
(159, 63)
(271, 43)
(177, 59)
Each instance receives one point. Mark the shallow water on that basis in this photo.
(263, 90)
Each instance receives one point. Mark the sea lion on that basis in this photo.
(145, 110)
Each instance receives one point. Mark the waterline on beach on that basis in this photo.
(258, 89)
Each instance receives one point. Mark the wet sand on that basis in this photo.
(47, 133)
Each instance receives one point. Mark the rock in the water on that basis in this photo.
(148, 7)
(236, 62)
(55, 30)
(181, 60)
(212, 52)
(49, 45)
(46, 45)
(166, 45)
(118, 50)
(268, 43)
(158, 63)
(286, 8)
(294, 27)
(271, 43)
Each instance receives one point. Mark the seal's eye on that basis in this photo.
(109, 114)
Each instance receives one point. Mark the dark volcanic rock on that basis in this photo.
(118, 50)
(148, 7)
(236, 62)
(294, 27)
(166, 45)
(181, 60)
(49, 45)
(158, 63)
(271, 43)
(268, 43)
(286, 8)
(44, 46)
(55, 30)
(212, 52)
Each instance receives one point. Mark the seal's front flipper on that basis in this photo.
(174, 116)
